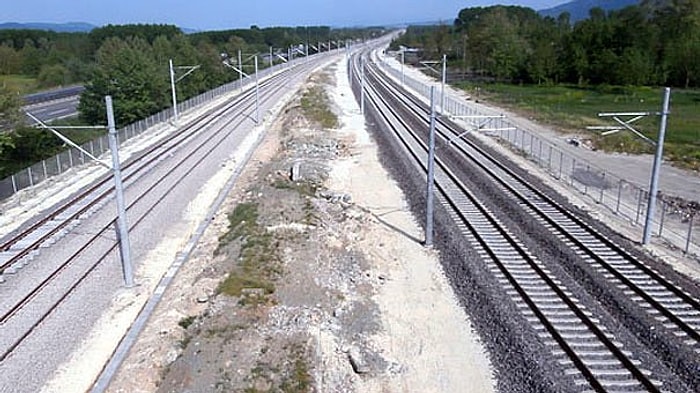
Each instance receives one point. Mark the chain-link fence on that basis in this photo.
(60, 163)
(674, 221)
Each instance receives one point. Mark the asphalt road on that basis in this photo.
(54, 110)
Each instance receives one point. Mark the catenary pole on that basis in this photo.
(257, 95)
(362, 85)
(240, 70)
(403, 60)
(172, 86)
(444, 77)
(656, 169)
(122, 226)
(431, 173)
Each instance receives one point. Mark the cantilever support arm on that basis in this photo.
(68, 141)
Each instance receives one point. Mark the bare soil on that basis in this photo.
(311, 279)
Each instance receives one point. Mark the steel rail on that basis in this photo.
(142, 161)
(496, 256)
(223, 132)
(561, 221)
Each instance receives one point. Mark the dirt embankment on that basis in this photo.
(312, 278)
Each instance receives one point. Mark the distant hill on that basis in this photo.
(72, 27)
(188, 30)
(57, 27)
(579, 8)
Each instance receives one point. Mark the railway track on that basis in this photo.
(584, 345)
(677, 311)
(19, 249)
(152, 176)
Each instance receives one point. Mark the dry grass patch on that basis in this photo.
(316, 107)
(258, 264)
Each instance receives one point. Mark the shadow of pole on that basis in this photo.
(389, 225)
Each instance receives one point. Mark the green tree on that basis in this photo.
(10, 61)
(10, 117)
(31, 145)
(10, 105)
(678, 23)
(53, 75)
(162, 50)
(234, 45)
(635, 68)
(31, 59)
(506, 48)
(212, 69)
(684, 60)
(441, 42)
(185, 54)
(126, 72)
(147, 32)
(542, 62)
(6, 143)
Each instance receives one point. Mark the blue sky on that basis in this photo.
(222, 14)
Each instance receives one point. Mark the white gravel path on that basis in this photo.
(424, 327)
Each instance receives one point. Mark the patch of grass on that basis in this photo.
(241, 221)
(187, 321)
(257, 299)
(292, 377)
(19, 84)
(300, 379)
(316, 107)
(223, 331)
(259, 264)
(309, 213)
(622, 142)
(305, 188)
(225, 334)
(572, 108)
(236, 282)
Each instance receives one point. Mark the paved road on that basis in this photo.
(54, 110)
(53, 94)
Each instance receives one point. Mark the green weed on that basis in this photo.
(305, 188)
(241, 221)
(316, 107)
(300, 379)
(187, 321)
(258, 262)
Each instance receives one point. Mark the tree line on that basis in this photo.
(654, 43)
(133, 67)
(130, 63)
